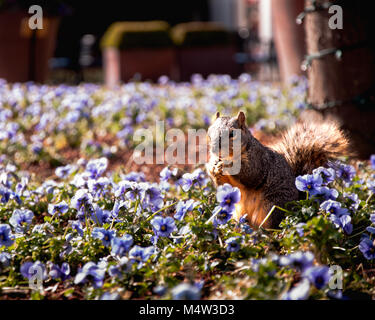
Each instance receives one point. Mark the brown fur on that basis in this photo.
(310, 144)
(267, 175)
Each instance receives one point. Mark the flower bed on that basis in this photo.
(77, 223)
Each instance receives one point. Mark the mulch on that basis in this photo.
(122, 160)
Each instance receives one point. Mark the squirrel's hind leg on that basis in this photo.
(252, 203)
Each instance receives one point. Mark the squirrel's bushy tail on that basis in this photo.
(312, 143)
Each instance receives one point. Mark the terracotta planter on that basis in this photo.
(150, 63)
(207, 60)
(16, 43)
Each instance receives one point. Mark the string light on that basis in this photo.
(366, 99)
(314, 7)
(338, 52)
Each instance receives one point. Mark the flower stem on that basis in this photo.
(270, 212)
(267, 216)
(164, 208)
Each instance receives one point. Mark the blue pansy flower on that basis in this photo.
(338, 215)
(319, 276)
(21, 219)
(30, 269)
(200, 178)
(233, 244)
(5, 259)
(135, 176)
(7, 194)
(299, 260)
(344, 222)
(166, 173)
(152, 197)
(120, 246)
(328, 194)
(119, 269)
(300, 292)
(101, 216)
(367, 247)
(98, 186)
(59, 208)
(6, 236)
(123, 187)
(77, 225)
(353, 199)
(93, 272)
(65, 171)
(117, 206)
(186, 291)
(59, 272)
(245, 227)
(163, 227)
(346, 172)
(328, 174)
(104, 235)
(221, 215)
(186, 181)
(310, 183)
(21, 186)
(372, 161)
(160, 290)
(140, 254)
(371, 185)
(96, 167)
(300, 229)
(110, 296)
(115, 271)
(82, 200)
(228, 196)
(183, 207)
(333, 207)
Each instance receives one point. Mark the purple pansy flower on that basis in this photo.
(319, 276)
(21, 219)
(183, 207)
(120, 246)
(163, 227)
(233, 244)
(227, 196)
(59, 272)
(104, 235)
(367, 247)
(91, 271)
(310, 183)
(6, 236)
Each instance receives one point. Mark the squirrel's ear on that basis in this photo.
(241, 118)
(217, 114)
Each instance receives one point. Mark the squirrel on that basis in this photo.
(267, 173)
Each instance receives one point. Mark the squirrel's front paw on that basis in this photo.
(218, 168)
